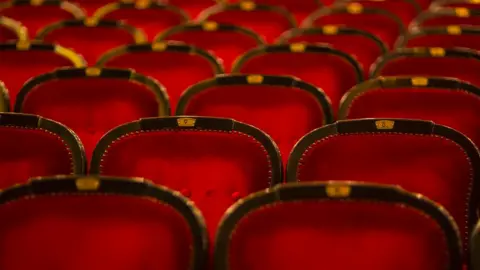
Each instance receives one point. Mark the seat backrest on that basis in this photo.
(300, 9)
(285, 108)
(337, 225)
(152, 17)
(470, 4)
(91, 38)
(380, 22)
(16, 65)
(267, 20)
(90, 6)
(360, 44)
(92, 101)
(457, 63)
(34, 146)
(213, 161)
(99, 223)
(227, 41)
(447, 16)
(12, 30)
(193, 8)
(35, 15)
(420, 156)
(175, 65)
(451, 36)
(329, 69)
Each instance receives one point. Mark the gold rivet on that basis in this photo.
(143, 4)
(330, 30)
(87, 184)
(437, 52)
(338, 190)
(90, 22)
(419, 81)
(247, 5)
(93, 72)
(23, 45)
(159, 46)
(384, 124)
(210, 26)
(298, 47)
(354, 8)
(454, 30)
(186, 122)
(255, 79)
(462, 12)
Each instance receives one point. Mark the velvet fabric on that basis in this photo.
(16, 67)
(465, 69)
(212, 168)
(285, 113)
(91, 106)
(451, 20)
(227, 45)
(341, 235)
(35, 18)
(7, 34)
(332, 73)
(464, 40)
(174, 70)
(405, 10)
(430, 165)
(90, 6)
(300, 9)
(193, 8)
(73, 232)
(29, 153)
(90, 42)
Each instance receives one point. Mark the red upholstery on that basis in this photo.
(91, 106)
(90, 6)
(341, 235)
(300, 9)
(193, 8)
(433, 166)
(450, 19)
(330, 72)
(213, 168)
(8, 32)
(465, 40)
(405, 10)
(457, 3)
(94, 232)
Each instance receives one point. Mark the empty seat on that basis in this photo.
(151, 17)
(284, 107)
(380, 22)
(92, 101)
(337, 225)
(300, 9)
(12, 30)
(35, 146)
(451, 36)
(360, 44)
(420, 156)
(91, 38)
(448, 102)
(213, 161)
(470, 4)
(226, 41)
(462, 64)
(35, 14)
(175, 65)
(329, 69)
(267, 20)
(193, 8)
(16, 65)
(448, 16)
(99, 223)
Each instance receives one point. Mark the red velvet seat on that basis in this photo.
(34, 146)
(470, 4)
(329, 69)
(284, 107)
(362, 45)
(92, 101)
(420, 156)
(300, 9)
(451, 36)
(16, 65)
(99, 223)
(35, 15)
(175, 65)
(213, 161)
(90, 6)
(226, 41)
(448, 16)
(462, 64)
(151, 17)
(380, 22)
(337, 225)
(267, 20)
(12, 30)
(91, 38)
(193, 8)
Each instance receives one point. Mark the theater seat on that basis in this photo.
(99, 223)
(16, 65)
(448, 16)
(284, 107)
(213, 161)
(360, 44)
(34, 146)
(380, 22)
(267, 20)
(327, 68)
(226, 41)
(462, 64)
(35, 15)
(193, 8)
(337, 225)
(12, 30)
(300, 9)
(92, 101)
(470, 4)
(151, 17)
(175, 65)
(91, 38)
(451, 36)
(421, 156)
(90, 6)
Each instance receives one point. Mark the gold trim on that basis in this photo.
(384, 124)
(419, 81)
(330, 29)
(298, 47)
(338, 190)
(93, 71)
(454, 30)
(437, 52)
(462, 12)
(87, 184)
(186, 122)
(76, 59)
(23, 45)
(255, 79)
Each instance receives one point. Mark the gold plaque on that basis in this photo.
(90, 22)
(142, 4)
(462, 12)
(36, 2)
(384, 124)
(210, 26)
(339, 190)
(247, 5)
(186, 122)
(437, 52)
(354, 8)
(330, 30)
(297, 47)
(159, 46)
(87, 184)
(255, 79)
(454, 30)
(419, 81)
(93, 72)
